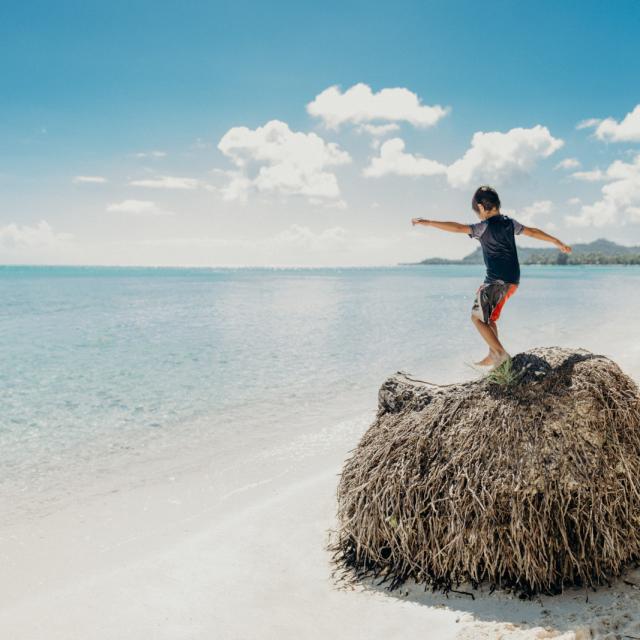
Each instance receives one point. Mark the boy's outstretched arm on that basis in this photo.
(539, 234)
(454, 227)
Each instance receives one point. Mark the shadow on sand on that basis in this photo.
(611, 609)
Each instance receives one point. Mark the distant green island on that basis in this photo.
(600, 251)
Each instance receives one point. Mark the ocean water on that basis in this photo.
(102, 369)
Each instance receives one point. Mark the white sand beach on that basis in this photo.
(189, 556)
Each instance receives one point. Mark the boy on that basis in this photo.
(496, 233)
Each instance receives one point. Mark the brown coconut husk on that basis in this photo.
(530, 483)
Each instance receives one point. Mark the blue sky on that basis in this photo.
(114, 114)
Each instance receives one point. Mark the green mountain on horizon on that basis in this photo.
(601, 251)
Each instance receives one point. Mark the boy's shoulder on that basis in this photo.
(476, 229)
(517, 227)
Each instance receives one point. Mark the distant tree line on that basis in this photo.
(601, 251)
(581, 258)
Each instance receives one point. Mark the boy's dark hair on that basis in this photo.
(487, 197)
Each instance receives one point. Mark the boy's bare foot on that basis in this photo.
(485, 362)
(499, 358)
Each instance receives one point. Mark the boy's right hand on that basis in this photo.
(415, 221)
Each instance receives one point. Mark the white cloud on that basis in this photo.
(586, 124)
(238, 187)
(200, 144)
(359, 104)
(330, 204)
(294, 236)
(170, 182)
(296, 240)
(378, 130)
(298, 244)
(538, 207)
(394, 160)
(151, 154)
(620, 201)
(137, 207)
(299, 236)
(492, 156)
(568, 163)
(14, 236)
(274, 159)
(530, 214)
(495, 155)
(627, 130)
(595, 175)
(574, 201)
(89, 180)
(207, 242)
(598, 214)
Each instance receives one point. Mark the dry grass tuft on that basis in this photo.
(532, 485)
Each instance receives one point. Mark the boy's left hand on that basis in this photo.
(565, 248)
(415, 221)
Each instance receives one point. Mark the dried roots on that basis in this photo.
(531, 486)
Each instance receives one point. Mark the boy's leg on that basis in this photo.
(490, 299)
(488, 359)
(496, 350)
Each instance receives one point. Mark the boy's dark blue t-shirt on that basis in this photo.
(497, 239)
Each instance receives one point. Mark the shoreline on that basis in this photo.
(181, 269)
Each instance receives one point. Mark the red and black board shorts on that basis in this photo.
(490, 299)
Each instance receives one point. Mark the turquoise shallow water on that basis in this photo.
(98, 363)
